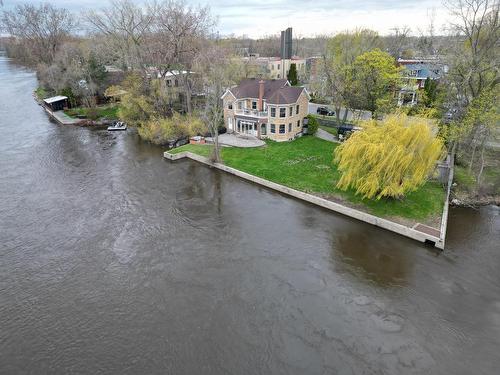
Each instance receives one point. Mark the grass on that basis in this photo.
(329, 129)
(203, 150)
(109, 111)
(41, 93)
(465, 180)
(306, 164)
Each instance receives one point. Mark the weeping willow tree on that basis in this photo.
(388, 158)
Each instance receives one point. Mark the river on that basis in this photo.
(114, 260)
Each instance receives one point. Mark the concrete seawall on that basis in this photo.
(444, 217)
(436, 239)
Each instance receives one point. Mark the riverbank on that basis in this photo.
(306, 167)
(65, 117)
(465, 191)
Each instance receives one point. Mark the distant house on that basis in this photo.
(414, 74)
(56, 103)
(266, 109)
(278, 67)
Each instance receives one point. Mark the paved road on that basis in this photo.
(364, 115)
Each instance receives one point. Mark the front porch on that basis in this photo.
(251, 126)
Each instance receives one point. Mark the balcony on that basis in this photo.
(250, 112)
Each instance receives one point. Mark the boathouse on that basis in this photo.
(56, 103)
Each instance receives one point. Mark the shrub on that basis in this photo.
(162, 130)
(312, 125)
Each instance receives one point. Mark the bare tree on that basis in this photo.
(475, 56)
(474, 76)
(397, 41)
(219, 72)
(178, 34)
(40, 31)
(126, 25)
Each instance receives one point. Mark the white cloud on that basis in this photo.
(257, 18)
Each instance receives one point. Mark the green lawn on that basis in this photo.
(465, 180)
(109, 111)
(41, 93)
(306, 164)
(203, 150)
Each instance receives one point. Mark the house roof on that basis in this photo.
(249, 88)
(285, 95)
(55, 99)
(424, 70)
(276, 91)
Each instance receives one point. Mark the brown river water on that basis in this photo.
(116, 261)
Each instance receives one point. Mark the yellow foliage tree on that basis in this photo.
(160, 130)
(388, 158)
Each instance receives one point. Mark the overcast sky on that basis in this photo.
(257, 18)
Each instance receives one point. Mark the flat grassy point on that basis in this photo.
(306, 164)
(108, 111)
(203, 150)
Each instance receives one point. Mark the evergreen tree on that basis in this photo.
(430, 89)
(292, 75)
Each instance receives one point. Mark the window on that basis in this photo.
(273, 112)
(289, 127)
(297, 110)
(278, 75)
(263, 129)
(254, 105)
(278, 66)
(283, 112)
(230, 106)
(240, 105)
(273, 128)
(176, 83)
(282, 129)
(290, 111)
(298, 123)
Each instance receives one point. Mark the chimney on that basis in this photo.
(261, 95)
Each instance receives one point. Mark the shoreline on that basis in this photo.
(418, 232)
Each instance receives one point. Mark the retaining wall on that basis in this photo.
(363, 216)
(444, 217)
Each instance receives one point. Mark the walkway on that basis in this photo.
(323, 134)
(237, 140)
(64, 119)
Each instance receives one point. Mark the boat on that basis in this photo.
(119, 125)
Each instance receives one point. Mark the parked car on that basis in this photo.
(345, 131)
(325, 111)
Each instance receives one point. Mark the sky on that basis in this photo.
(257, 18)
